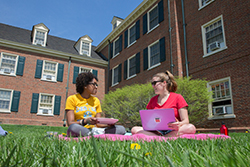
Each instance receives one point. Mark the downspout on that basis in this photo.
(67, 89)
(184, 34)
(170, 40)
(108, 67)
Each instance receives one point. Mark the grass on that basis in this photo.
(28, 146)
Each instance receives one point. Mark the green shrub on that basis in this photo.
(125, 103)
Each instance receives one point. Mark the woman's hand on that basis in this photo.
(174, 125)
(90, 120)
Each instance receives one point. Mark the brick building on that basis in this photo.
(199, 38)
(38, 72)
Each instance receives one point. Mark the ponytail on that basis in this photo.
(169, 78)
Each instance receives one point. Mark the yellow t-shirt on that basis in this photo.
(83, 108)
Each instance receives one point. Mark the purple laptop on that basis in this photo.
(157, 119)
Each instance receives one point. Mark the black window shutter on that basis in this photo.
(110, 78)
(60, 72)
(137, 29)
(111, 50)
(145, 59)
(15, 101)
(95, 72)
(57, 105)
(119, 72)
(137, 61)
(34, 104)
(76, 72)
(125, 39)
(145, 23)
(20, 66)
(39, 67)
(162, 50)
(125, 69)
(160, 11)
(120, 43)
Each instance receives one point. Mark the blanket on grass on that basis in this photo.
(142, 137)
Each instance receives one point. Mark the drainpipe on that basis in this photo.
(184, 33)
(67, 89)
(170, 40)
(108, 67)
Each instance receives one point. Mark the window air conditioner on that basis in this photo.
(7, 70)
(213, 46)
(45, 111)
(48, 77)
(221, 110)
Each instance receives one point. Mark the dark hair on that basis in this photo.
(83, 79)
(169, 78)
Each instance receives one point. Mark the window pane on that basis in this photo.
(85, 48)
(46, 104)
(40, 37)
(115, 75)
(5, 99)
(132, 35)
(153, 18)
(132, 66)
(154, 54)
(116, 47)
(84, 70)
(8, 64)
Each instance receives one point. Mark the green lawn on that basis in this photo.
(28, 146)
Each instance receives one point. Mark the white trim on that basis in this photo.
(153, 28)
(210, 108)
(131, 77)
(45, 37)
(203, 27)
(200, 4)
(85, 68)
(51, 52)
(148, 19)
(131, 44)
(11, 97)
(214, 52)
(17, 59)
(52, 107)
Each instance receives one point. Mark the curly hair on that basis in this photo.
(83, 79)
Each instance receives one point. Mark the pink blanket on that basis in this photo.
(143, 137)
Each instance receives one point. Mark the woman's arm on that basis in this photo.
(71, 117)
(184, 119)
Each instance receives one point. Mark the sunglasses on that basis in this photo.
(155, 82)
(94, 84)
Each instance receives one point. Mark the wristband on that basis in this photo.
(82, 122)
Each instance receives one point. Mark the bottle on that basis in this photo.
(223, 129)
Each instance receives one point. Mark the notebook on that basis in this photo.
(157, 119)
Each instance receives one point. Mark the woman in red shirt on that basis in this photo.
(165, 86)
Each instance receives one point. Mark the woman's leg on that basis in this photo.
(116, 129)
(76, 130)
(184, 129)
(139, 130)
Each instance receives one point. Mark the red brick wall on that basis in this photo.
(28, 84)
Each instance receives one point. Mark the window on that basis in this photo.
(131, 66)
(5, 100)
(154, 54)
(40, 38)
(85, 48)
(203, 3)
(49, 71)
(116, 75)
(213, 36)
(132, 34)
(83, 69)
(116, 47)
(8, 64)
(153, 18)
(46, 104)
(222, 98)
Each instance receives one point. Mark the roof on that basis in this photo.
(24, 36)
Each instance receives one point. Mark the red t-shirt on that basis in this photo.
(175, 101)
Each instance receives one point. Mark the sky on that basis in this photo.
(69, 19)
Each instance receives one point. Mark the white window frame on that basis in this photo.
(17, 59)
(113, 72)
(210, 107)
(84, 68)
(149, 55)
(45, 37)
(203, 6)
(52, 105)
(44, 73)
(81, 48)
(129, 42)
(128, 67)
(115, 54)
(203, 30)
(148, 19)
(11, 96)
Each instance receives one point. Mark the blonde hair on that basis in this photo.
(169, 78)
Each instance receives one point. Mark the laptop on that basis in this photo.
(157, 119)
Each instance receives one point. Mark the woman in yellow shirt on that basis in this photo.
(82, 109)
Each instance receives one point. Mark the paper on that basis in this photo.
(107, 120)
